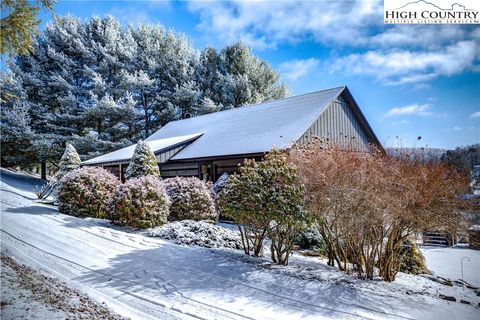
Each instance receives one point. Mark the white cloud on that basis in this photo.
(475, 115)
(294, 69)
(396, 67)
(266, 23)
(421, 86)
(426, 36)
(392, 54)
(413, 109)
(454, 128)
(127, 15)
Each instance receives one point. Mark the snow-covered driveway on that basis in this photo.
(143, 277)
(452, 268)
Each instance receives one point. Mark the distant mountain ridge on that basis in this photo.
(424, 152)
(464, 158)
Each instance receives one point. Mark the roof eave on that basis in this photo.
(156, 153)
(363, 119)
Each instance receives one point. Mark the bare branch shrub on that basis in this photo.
(367, 204)
(45, 190)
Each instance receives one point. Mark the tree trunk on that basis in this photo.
(43, 170)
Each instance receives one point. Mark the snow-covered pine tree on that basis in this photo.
(69, 161)
(254, 80)
(143, 162)
(15, 131)
(102, 86)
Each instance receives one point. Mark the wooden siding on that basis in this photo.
(167, 154)
(338, 123)
(181, 169)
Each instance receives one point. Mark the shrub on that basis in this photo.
(191, 199)
(140, 202)
(365, 205)
(310, 239)
(412, 260)
(220, 183)
(266, 199)
(43, 191)
(85, 192)
(200, 233)
(69, 161)
(143, 162)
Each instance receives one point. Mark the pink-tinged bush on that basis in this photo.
(86, 191)
(191, 199)
(140, 202)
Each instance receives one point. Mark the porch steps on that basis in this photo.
(435, 239)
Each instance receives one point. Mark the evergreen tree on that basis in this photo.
(254, 80)
(19, 24)
(15, 131)
(69, 161)
(143, 162)
(102, 86)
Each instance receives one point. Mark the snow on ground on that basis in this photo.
(27, 294)
(451, 268)
(148, 278)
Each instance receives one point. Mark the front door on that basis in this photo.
(206, 172)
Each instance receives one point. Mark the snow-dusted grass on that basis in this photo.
(200, 233)
(149, 278)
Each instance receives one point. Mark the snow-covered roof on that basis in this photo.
(157, 145)
(250, 129)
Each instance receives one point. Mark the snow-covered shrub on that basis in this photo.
(69, 161)
(310, 239)
(412, 260)
(143, 162)
(200, 233)
(220, 183)
(191, 199)
(266, 198)
(140, 202)
(85, 192)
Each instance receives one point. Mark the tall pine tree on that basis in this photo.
(103, 86)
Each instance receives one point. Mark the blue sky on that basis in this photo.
(409, 80)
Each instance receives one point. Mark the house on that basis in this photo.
(209, 145)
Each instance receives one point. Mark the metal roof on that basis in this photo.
(246, 130)
(250, 129)
(157, 145)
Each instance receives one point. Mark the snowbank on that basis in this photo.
(28, 294)
(200, 233)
